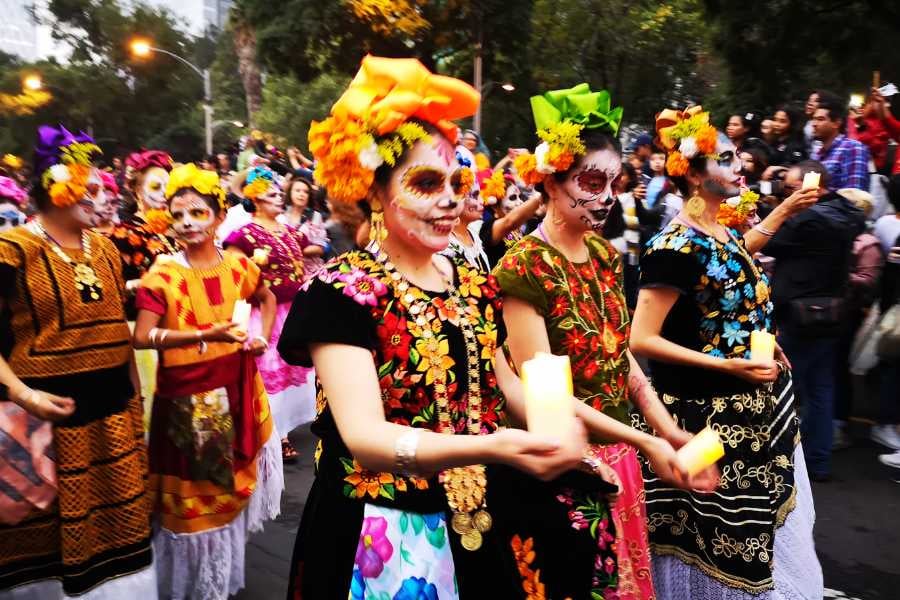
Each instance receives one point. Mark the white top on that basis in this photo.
(474, 254)
(887, 229)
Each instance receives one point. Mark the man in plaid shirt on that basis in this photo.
(847, 160)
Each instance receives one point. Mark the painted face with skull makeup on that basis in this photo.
(271, 202)
(84, 212)
(723, 175)
(193, 220)
(584, 199)
(422, 201)
(515, 197)
(151, 188)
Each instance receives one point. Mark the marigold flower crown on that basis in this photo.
(259, 180)
(189, 176)
(63, 160)
(685, 135)
(375, 122)
(560, 117)
(735, 211)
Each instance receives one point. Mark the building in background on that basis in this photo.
(20, 36)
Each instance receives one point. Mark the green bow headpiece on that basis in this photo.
(578, 105)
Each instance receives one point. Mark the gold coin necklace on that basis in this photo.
(86, 281)
(466, 487)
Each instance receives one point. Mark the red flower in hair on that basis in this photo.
(141, 161)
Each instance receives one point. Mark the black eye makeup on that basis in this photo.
(725, 158)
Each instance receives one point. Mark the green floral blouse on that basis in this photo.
(583, 305)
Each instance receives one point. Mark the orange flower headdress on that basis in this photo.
(684, 135)
(370, 125)
(560, 117)
(63, 160)
(735, 211)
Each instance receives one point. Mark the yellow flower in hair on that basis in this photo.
(493, 187)
(526, 167)
(201, 181)
(157, 220)
(256, 189)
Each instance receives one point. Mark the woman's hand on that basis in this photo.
(781, 357)
(754, 371)
(257, 346)
(706, 480)
(664, 460)
(44, 405)
(540, 456)
(224, 332)
(800, 201)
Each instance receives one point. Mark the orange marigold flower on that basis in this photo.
(335, 143)
(560, 158)
(67, 193)
(677, 165)
(157, 220)
(526, 167)
(706, 140)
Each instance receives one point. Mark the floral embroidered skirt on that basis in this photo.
(291, 390)
(548, 540)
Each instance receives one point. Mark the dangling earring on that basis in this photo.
(377, 230)
(695, 206)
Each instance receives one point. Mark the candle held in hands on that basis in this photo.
(549, 406)
(241, 315)
(762, 345)
(702, 451)
(811, 181)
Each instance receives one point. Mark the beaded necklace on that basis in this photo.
(466, 487)
(86, 281)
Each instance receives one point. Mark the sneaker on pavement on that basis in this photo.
(841, 440)
(886, 435)
(891, 460)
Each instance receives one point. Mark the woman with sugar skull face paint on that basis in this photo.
(702, 296)
(278, 250)
(415, 476)
(211, 431)
(74, 519)
(563, 294)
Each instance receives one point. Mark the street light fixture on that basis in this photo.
(142, 48)
(33, 82)
(507, 87)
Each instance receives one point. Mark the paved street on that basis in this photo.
(857, 528)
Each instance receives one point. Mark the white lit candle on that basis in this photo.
(811, 181)
(702, 451)
(549, 406)
(762, 345)
(241, 315)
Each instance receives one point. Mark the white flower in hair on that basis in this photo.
(369, 157)
(734, 201)
(540, 157)
(688, 147)
(60, 173)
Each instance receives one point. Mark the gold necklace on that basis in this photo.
(466, 487)
(86, 281)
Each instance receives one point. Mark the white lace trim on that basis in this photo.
(137, 585)
(210, 565)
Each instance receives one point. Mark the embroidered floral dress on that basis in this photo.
(291, 389)
(385, 535)
(727, 538)
(583, 306)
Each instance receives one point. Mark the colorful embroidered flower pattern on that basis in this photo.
(587, 317)
(593, 515)
(732, 292)
(373, 549)
(523, 551)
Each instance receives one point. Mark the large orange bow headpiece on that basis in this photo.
(373, 122)
(685, 134)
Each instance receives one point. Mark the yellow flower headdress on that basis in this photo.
(189, 176)
(258, 181)
(685, 135)
(493, 188)
(370, 124)
(560, 117)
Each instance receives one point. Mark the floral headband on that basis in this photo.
(493, 186)
(188, 176)
(372, 123)
(109, 182)
(141, 161)
(685, 135)
(735, 211)
(10, 190)
(63, 160)
(560, 116)
(258, 181)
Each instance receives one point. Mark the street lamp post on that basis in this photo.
(141, 48)
(484, 89)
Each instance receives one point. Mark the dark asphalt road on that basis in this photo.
(857, 527)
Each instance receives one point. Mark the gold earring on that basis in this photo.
(695, 206)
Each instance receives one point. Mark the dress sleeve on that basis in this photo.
(150, 300)
(518, 275)
(322, 314)
(251, 276)
(669, 268)
(237, 239)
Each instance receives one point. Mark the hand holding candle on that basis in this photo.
(811, 181)
(701, 452)
(762, 345)
(549, 406)
(241, 315)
